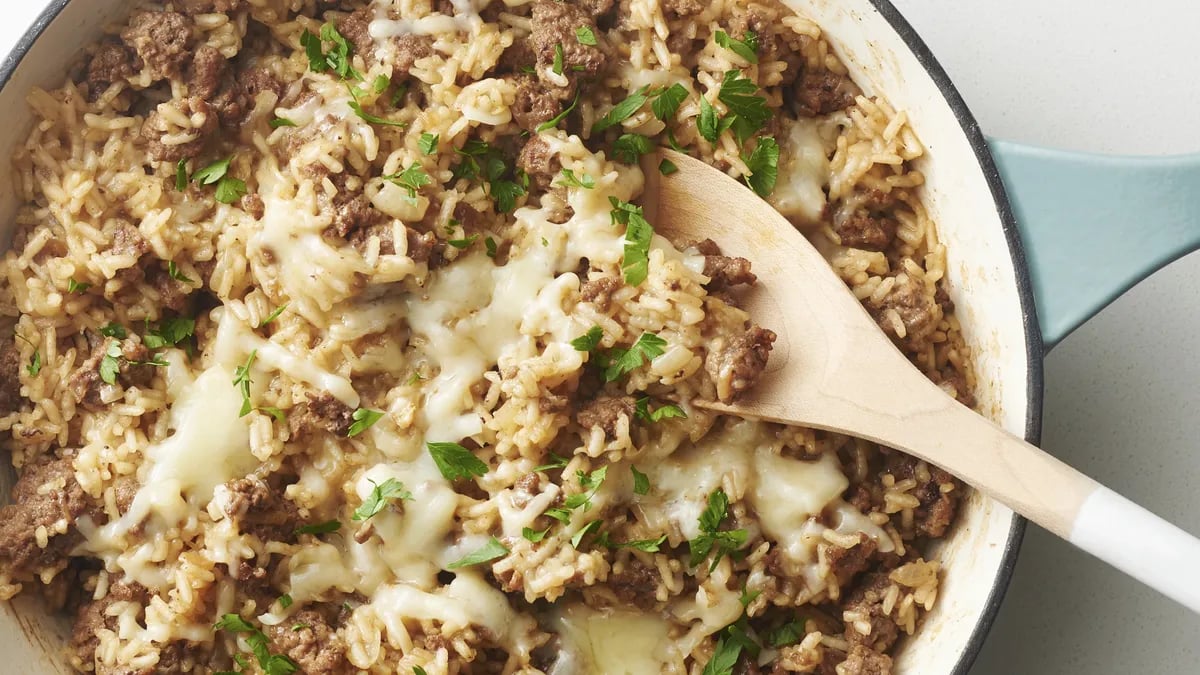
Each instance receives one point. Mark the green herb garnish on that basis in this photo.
(620, 361)
(363, 419)
(740, 47)
(456, 462)
(638, 234)
(428, 143)
(622, 111)
(712, 537)
(585, 36)
(763, 163)
(320, 528)
(589, 340)
(383, 493)
(490, 551)
(642, 411)
(629, 148)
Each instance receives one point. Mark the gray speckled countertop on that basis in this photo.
(1122, 393)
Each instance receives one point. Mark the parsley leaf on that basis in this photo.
(553, 121)
(114, 329)
(230, 189)
(490, 551)
(724, 657)
(314, 51)
(505, 193)
(461, 244)
(739, 47)
(483, 162)
(667, 167)
(641, 482)
(577, 538)
(629, 148)
(646, 545)
(418, 670)
(374, 119)
(569, 179)
(557, 66)
(320, 528)
(622, 361)
(589, 340)
(428, 143)
(666, 104)
(213, 172)
(169, 332)
(383, 493)
(622, 111)
(177, 274)
(271, 664)
(763, 163)
(110, 364)
(490, 245)
(181, 175)
(585, 36)
(35, 363)
(712, 537)
(707, 125)
(241, 380)
(740, 96)
(234, 623)
(590, 482)
(533, 535)
(273, 315)
(642, 411)
(363, 419)
(638, 233)
(285, 601)
(557, 463)
(336, 59)
(76, 287)
(786, 634)
(281, 122)
(456, 462)
(411, 179)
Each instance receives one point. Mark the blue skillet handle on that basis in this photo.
(1094, 225)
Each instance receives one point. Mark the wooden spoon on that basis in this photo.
(833, 368)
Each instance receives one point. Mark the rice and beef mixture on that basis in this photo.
(336, 342)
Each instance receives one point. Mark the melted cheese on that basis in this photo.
(803, 172)
(466, 18)
(683, 481)
(787, 492)
(610, 643)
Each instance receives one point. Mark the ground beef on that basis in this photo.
(472, 220)
(160, 40)
(208, 65)
(172, 294)
(536, 102)
(724, 272)
(112, 63)
(321, 412)
(423, 247)
(128, 240)
(133, 371)
(937, 508)
(736, 363)
(255, 81)
(356, 27)
(156, 128)
(554, 25)
(820, 92)
(599, 291)
(10, 377)
(868, 224)
(540, 162)
(409, 48)
(92, 617)
(517, 57)
(33, 507)
(682, 8)
(867, 599)
(918, 312)
(253, 204)
(605, 412)
(308, 639)
(846, 563)
(773, 39)
(635, 584)
(863, 661)
(525, 489)
(353, 212)
(262, 510)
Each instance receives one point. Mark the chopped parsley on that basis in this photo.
(666, 104)
(181, 175)
(229, 189)
(786, 634)
(724, 657)
(489, 552)
(708, 125)
(418, 670)
(666, 167)
(382, 494)
(271, 664)
(641, 482)
(273, 315)
(585, 36)
(747, 49)
(485, 163)
(320, 528)
(556, 462)
(569, 179)
(456, 462)
(241, 380)
(76, 287)
(380, 84)
(411, 179)
(557, 66)
(110, 364)
(114, 329)
(621, 361)
(177, 274)
(589, 340)
(285, 601)
(35, 361)
(337, 59)
(590, 482)
(553, 121)
(363, 419)
(356, 106)
(638, 233)
(533, 535)
(763, 163)
(629, 148)
(428, 143)
(281, 122)
(169, 332)
(712, 537)
(490, 245)
(748, 110)
(642, 411)
(645, 545)
(622, 111)
(577, 538)
(463, 243)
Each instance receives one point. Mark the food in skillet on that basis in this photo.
(337, 342)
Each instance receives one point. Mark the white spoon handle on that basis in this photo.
(1139, 543)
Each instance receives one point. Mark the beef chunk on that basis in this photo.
(597, 8)
(820, 92)
(605, 412)
(128, 240)
(86, 383)
(865, 221)
(253, 204)
(208, 65)
(736, 363)
(863, 661)
(917, 310)
(315, 646)
(353, 212)
(553, 26)
(846, 563)
(92, 617)
(255, 81)
(516, 58)
(635, 584)
(320, 412)
(356, 27)
(537, 160)
(262, 510)
(172, 294)
(409, 48)
(471, 219)
(160, 40)
(937, 509)
(10, 377)
(423, 247)
(724, 272)
(536, 102)
(867, 600)
(45, 493)
(112, 63)
(599, 291)
(161, 134)
(682, 8)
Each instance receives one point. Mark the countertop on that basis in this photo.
(1121, 392)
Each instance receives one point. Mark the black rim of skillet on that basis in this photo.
(1033, 334)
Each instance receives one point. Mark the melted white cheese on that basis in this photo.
(610, 643)
(803, 172)
(787, 492)
(466, 18)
